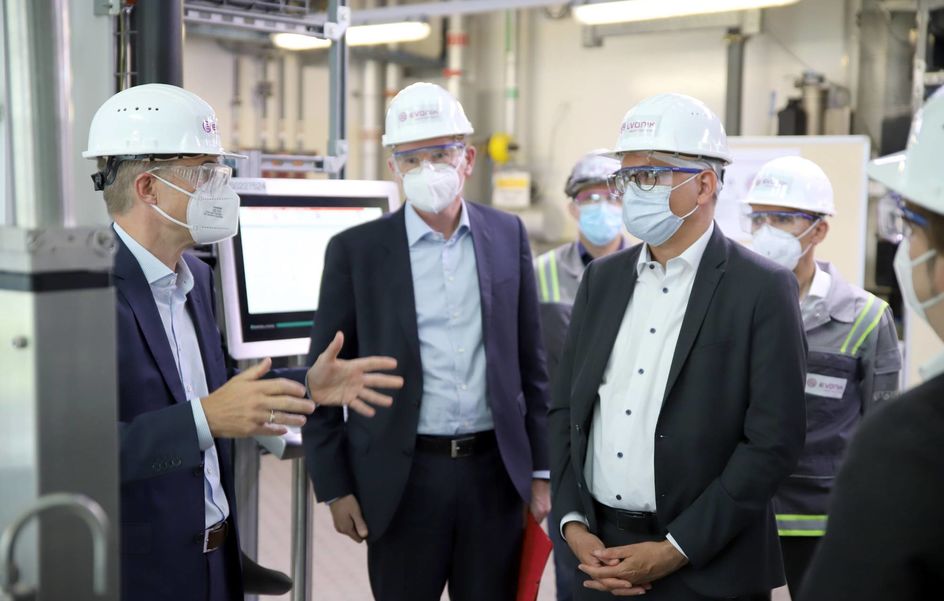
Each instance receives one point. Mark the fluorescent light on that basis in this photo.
(623, 11)
(387, 33)
(297, 41)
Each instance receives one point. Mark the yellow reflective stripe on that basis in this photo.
(555, 285)
(801, 532)
(542, 263)
(793, 516)
(872, 326)
(858, 322)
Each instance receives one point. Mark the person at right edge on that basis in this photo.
(678, 405)
(886, 525)
(853, 362)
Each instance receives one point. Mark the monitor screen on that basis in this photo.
(272, 268)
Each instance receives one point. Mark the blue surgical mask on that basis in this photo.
(648, 216)
(600, 222)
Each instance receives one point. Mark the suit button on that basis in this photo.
(579, 485)
(577, 427)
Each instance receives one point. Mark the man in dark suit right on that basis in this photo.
(678, 407)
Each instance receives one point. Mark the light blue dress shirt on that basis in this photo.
(170, 291)
(449, 324)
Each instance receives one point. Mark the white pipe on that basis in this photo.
(371, 100)
(511, 71)
(456, 41)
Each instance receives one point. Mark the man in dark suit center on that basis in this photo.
(158, 150)
(438, 484)
(678, 405)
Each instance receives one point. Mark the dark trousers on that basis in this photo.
(670, 588)
(224, 573)
(460, 521)
(797, 555)
(565, 563)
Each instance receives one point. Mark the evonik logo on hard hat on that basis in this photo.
(420, 115)
(209, 125)
(642, 126)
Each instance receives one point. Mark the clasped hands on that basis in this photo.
(626, 571)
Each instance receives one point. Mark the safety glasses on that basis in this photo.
(895, 220)
(442, 154)
(587, 197)
(209, 176)
(645, 177)
(751, 221)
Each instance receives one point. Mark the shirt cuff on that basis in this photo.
(573, 516)
(541, 475)
(671, 539)
(204, 436)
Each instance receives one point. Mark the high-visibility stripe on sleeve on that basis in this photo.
(858, 322)
(542, 277)
(555, 284)
(878, 317)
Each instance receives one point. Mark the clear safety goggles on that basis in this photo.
(587, 197)
(895, 220)
(209, 176)
(751, 221)
(442, 154)
(645, 177)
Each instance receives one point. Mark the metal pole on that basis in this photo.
(337, 84)
(158, 55)
(40, 116)
(735, 84)
(301, 532)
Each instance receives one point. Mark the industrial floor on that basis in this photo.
(339, 565)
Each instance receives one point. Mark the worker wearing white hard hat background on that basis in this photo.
(678, 403)
(599, 216)
(437, 487)
(884, 534)
(158, 148)
(853, 362)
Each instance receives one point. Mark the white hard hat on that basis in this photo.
(676, 124)
(424, 111)
(154, 119)
(593, 168)
(916, 173)
(794, 183)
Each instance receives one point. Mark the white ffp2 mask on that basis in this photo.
(904, 266)
(211, 216)
(432, 187)
(779, 246)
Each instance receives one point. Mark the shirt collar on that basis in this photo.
(691, 257)
(154, 270)
(417, 229)
(819, 287)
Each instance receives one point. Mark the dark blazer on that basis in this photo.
(367, 292)
(732, 422)
(884, 538)
(162, 499)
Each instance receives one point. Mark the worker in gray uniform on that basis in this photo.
(853, 362)
(600, 219)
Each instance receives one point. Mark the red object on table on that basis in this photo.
(534, 553)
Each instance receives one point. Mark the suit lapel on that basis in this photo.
(599, 345)
(706, 281)
(130, 282)
(397, 277)
(198, 307)
(482, 243)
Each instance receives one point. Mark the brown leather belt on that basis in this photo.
(457, 446)
(215, 536)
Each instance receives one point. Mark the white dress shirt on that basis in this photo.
(170, 289)
(619, 468)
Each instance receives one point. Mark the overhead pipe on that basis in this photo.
(159, 41)
(456, 41)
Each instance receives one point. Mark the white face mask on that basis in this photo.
(648, 215)
(779, 246)
(211, 216)
(432, 187)
(904, 267)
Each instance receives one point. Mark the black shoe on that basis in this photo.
(258, 580)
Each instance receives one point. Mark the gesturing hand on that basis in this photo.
(333, 381)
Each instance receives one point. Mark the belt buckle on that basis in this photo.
(457, 448)
(209, 531)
